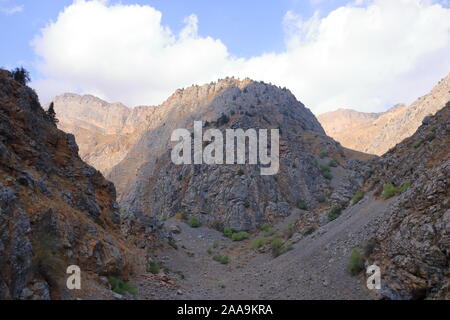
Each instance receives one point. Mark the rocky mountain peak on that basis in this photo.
(377, 133)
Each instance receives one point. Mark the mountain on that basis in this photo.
(55, 210)
(412, 240)
(313, 228)
(235, 196)
(376, 133)
(105, 132)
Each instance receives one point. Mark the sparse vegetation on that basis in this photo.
(259, 242)
(227, 232)
(323, 154)
(332, 163)
(240, 172)
(334, 212)
(357, 197)
(210, 250)
(302, 205)
(389, 190)
(326, 173)
(183, 216)
(194, 222)
(267, 230)
(279, 247)
(51, 114)
(121, 287)
(154, 266)
(239, 236)
(190, 254)
(221, 258)
(417, 144)
(356, 263)
(21, 75)
(215, 245)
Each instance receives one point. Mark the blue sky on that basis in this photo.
(328, 52)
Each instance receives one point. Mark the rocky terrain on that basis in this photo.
(218, 231)
(376, 133)
(412, 242)
(105, 132)
(235, 196)
(55, 210)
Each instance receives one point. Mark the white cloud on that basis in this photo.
(7, 9)
(367, 57)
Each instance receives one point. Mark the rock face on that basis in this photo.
(104, 131)
(55, 210)
(235, 196)
(376, 133)
(412, 243)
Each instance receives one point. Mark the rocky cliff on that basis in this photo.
(412, 241)
(226, 195)
(104, 131)
(55, 210)
(376, 133)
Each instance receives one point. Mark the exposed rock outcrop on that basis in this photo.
(413, 239)
(55, 210)
(376, 133)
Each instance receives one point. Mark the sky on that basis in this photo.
(363, 54)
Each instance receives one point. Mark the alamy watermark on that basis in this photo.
(74, 280)
(373, 277)
(235, 153)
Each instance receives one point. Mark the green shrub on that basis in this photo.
(259, 242)
(154, 266)
(240, 172)
(356, 262)
(190, 254)
(239, 236)
(327, 175)
(121, 287)
(302, 205)
(194, 222)
(357, 197)
(278, 247)
(405, 186)
(267, 230)
(417, 144)
(389, 191)
(184, 216)
(215, 245)
(247, 204)
(227, 232)
(334, 212)
(323, 154)
(332, 163)
(326, 172)
(210, 250)
(221, 258)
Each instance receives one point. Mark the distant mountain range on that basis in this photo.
(376, 133)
